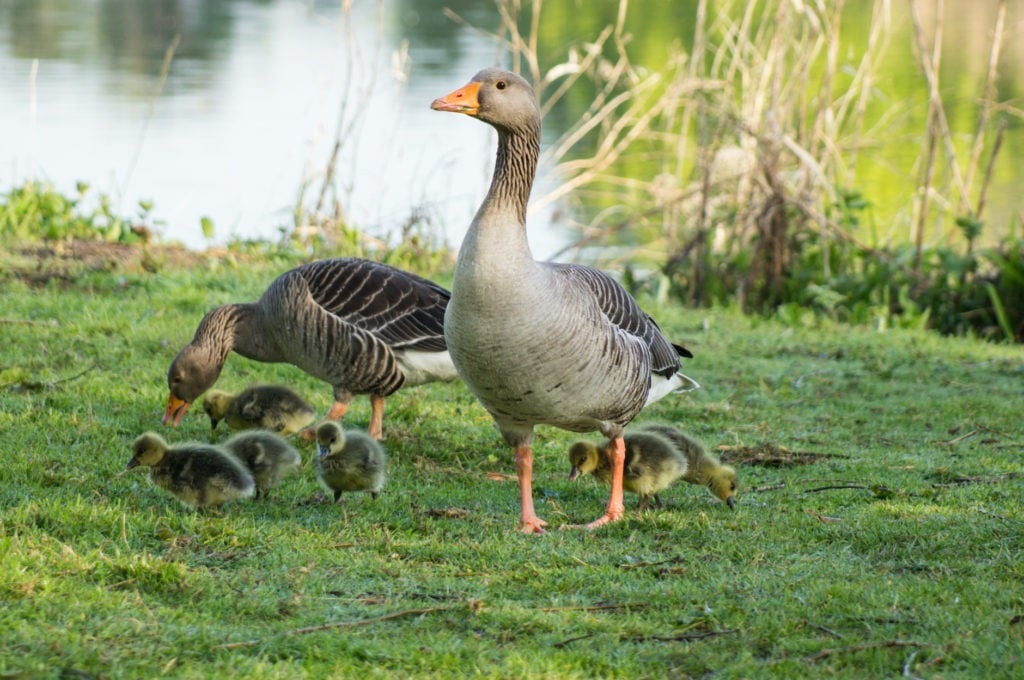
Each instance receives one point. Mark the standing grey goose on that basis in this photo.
(362, 326)
(544, 343)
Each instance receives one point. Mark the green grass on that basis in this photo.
(917, 570)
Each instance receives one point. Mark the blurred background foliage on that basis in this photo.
(810, 159)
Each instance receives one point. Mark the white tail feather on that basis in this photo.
(662, 386)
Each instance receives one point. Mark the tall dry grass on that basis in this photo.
(757, 130)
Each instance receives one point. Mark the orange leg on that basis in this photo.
(616, 508)
(530, 523)
(376, 417)
(337, 411)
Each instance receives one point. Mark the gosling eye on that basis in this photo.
(732, 486)
(501, 84)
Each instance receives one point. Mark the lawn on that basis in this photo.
(878, 530)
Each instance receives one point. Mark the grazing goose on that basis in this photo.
(653, 463)
(199, 475)
(543, 343)
(362, 326)
(703, 468)
(268, 456)
(267, 407)
(349, 461)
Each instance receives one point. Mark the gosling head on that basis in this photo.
(584, 457)
(329, 438)
(722, 482)
(148, 449)
(215, 405)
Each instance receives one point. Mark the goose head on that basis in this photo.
(495, 96)
(584, 458)
(330, 438)
(192, 372)
(147, 450)
(723, 483)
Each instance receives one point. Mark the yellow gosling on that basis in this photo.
(704, 469)
(349, 460)
(199, 475)
(653, 463)
(268, 407)
(267, 456)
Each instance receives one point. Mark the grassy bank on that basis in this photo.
(878, 532)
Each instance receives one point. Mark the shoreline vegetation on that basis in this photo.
(759, 140)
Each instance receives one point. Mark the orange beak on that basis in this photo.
(463, 100)
(176, 409)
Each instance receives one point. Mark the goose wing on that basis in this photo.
(623, 312)
(401, 309)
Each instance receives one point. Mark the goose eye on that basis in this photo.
(501, 85)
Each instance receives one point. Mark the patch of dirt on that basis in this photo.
(767, 454)
(39, 264)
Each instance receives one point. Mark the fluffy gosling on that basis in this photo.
(653, 463)
(198, 475)
(267, 455)
(268, 407)
(349, 461)
(704, 469)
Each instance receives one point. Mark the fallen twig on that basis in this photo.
(682, 637)
(993, 479)
(596, 607)
(827, 631)
(566, 643)
(906, 666)
(836, 486)
(956, 440)
(337, 624)
(832, 651)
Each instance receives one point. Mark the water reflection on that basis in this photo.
(258, 89)
(249, 109)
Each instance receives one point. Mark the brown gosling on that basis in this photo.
(653, 463)
(349, 460)
(268, 407)
(704, 469)
(198, 475)
(267, 455)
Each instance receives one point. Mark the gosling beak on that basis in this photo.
(462, 100)
(323, 450)
(213, 424)
(731, 502)
(131, 464)
(574, 473)
(176, 409)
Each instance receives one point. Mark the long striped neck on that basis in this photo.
(233, 327)
(515, 167)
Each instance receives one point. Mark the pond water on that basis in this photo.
(250, 108)
(249, 111)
